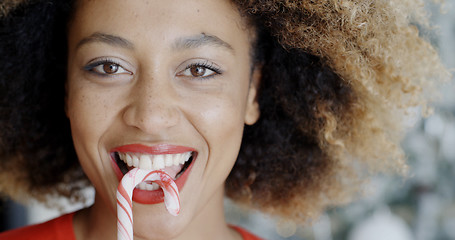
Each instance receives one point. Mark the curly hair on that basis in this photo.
(337, 80)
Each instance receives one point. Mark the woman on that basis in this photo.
(277, 104)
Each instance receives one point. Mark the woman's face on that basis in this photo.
(168, 78)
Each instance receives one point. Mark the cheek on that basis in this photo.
(221, 116)
(223, 112)
(88, 118)
(222, 127)
(89, 115)
(82, 114)
(88, 108)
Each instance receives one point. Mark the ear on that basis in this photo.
(252, 108)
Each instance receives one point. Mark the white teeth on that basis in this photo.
(148, 186)
(153, 162)
(135, 161)
(153, 186)
(129, 160)
(176, 160)
(142, 186)
(186, 155)
(168, 160)
(182, 160)
(145, 162)
(158, 162)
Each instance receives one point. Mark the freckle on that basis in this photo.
(198, 10)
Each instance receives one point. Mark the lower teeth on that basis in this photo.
(148, 186)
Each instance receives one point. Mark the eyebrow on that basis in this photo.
(180, 44)
(106, 38)
(199, 41)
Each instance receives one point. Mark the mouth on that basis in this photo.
(176, 161)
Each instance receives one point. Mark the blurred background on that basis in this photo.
(420, 207)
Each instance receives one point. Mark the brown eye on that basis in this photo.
(110, 68)
(106, 68)
(197, 71)
(200, 71)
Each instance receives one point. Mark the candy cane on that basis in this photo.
(125, 194)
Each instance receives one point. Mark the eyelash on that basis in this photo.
(207, 65)
(91, 66)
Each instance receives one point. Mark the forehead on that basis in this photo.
(160, 20)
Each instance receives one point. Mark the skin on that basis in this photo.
(153, 98)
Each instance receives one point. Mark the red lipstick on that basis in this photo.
(155, 150)
(156, 196)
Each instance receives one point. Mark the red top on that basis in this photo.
(62, 229)
(56, 229)
(245, 235)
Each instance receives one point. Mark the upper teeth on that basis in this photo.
(154, 162)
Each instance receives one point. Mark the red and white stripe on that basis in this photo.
(125, 194)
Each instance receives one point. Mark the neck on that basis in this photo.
(100, 222)
(210, 222)
(95, 222)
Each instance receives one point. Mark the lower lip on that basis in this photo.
(156, 196)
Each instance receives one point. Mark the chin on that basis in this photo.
(158, 226)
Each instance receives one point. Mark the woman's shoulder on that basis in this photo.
(245, 234)
(58, 228)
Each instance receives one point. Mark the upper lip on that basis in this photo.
(154, 149)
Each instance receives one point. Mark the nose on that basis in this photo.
(153, 107)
